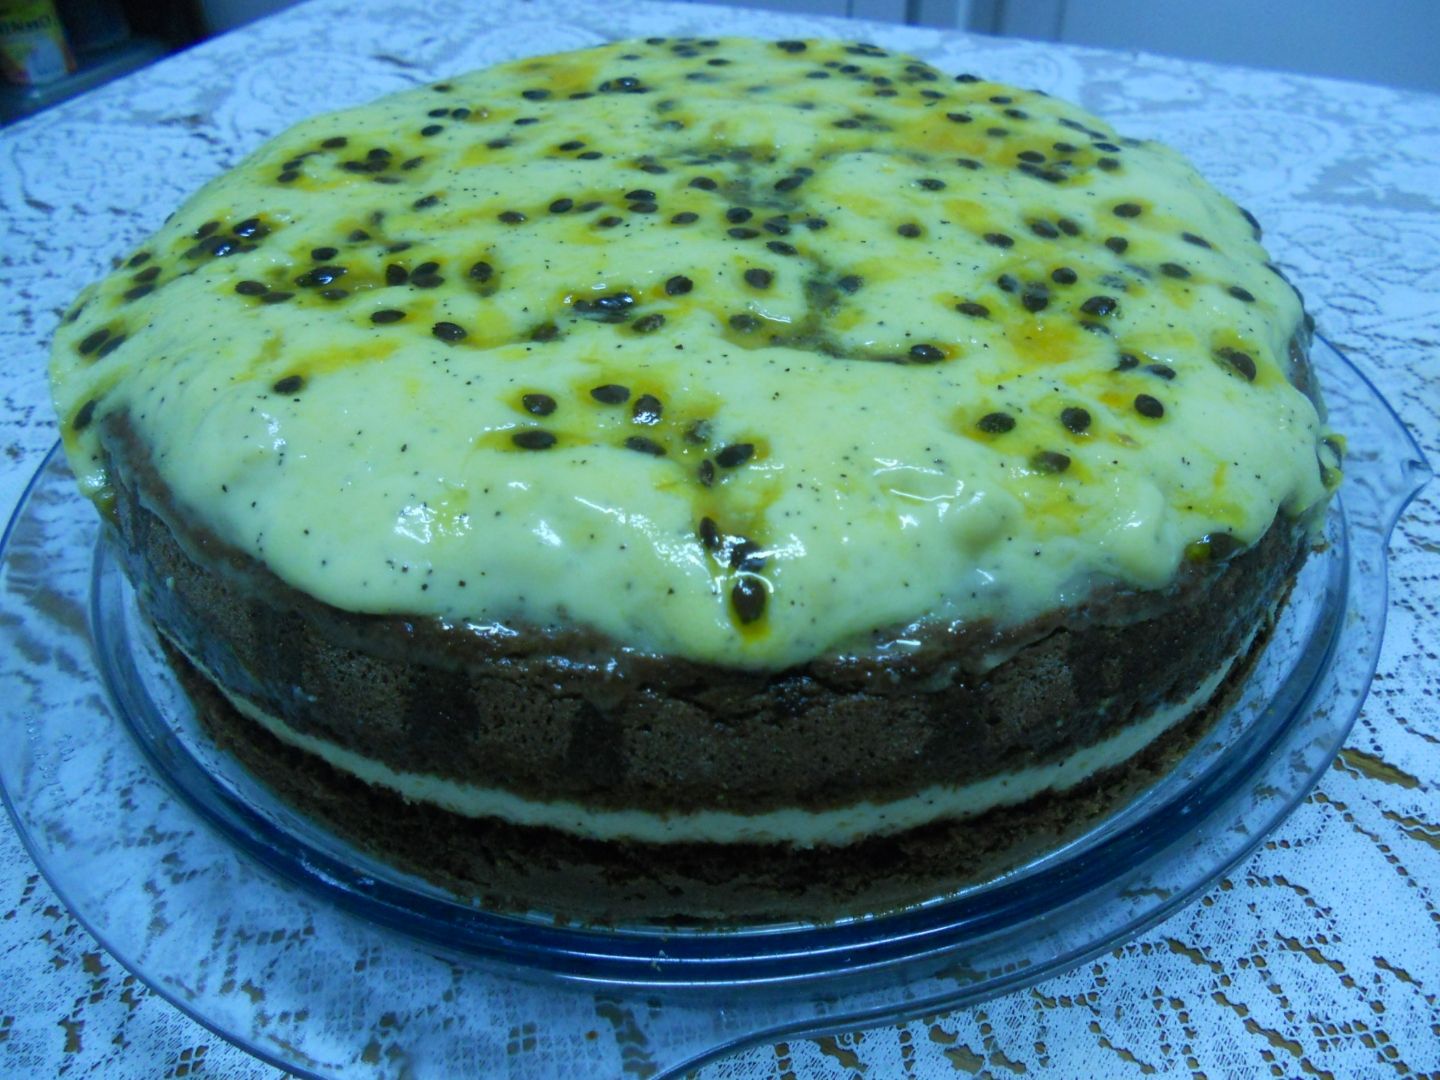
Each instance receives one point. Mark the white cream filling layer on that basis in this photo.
(794, 826)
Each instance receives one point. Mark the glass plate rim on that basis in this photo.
(628, 954)
(841, 1012)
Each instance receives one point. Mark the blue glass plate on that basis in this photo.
(200, 882)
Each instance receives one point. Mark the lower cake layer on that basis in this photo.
(516, 868)
(796, 826)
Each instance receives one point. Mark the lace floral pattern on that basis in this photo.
(1317, 957)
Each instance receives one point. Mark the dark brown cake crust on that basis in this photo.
(551, 715)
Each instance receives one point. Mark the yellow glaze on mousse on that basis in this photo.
(835, 344)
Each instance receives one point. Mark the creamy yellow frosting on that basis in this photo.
(732, 350)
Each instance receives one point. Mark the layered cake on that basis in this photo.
(704, 479)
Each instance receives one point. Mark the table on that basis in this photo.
(1320, 956)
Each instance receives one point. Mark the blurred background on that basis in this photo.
(54, 49)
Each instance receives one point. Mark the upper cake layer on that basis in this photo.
(738, 351)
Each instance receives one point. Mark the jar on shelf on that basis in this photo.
(33, 49)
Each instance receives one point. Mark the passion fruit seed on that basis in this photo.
(647, 409)
(610, 394)
(641, 444)
(735, 455)
(1050, 461)
(748, 597)
(533, 439)
(288, 385)
(1149, 407)
(1241, 363)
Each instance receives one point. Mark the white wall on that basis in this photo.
(221, 15)
(1394, 42)
(942, 13)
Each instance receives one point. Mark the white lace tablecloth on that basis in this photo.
(1321, 956)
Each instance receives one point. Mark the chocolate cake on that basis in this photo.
(700, 479)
